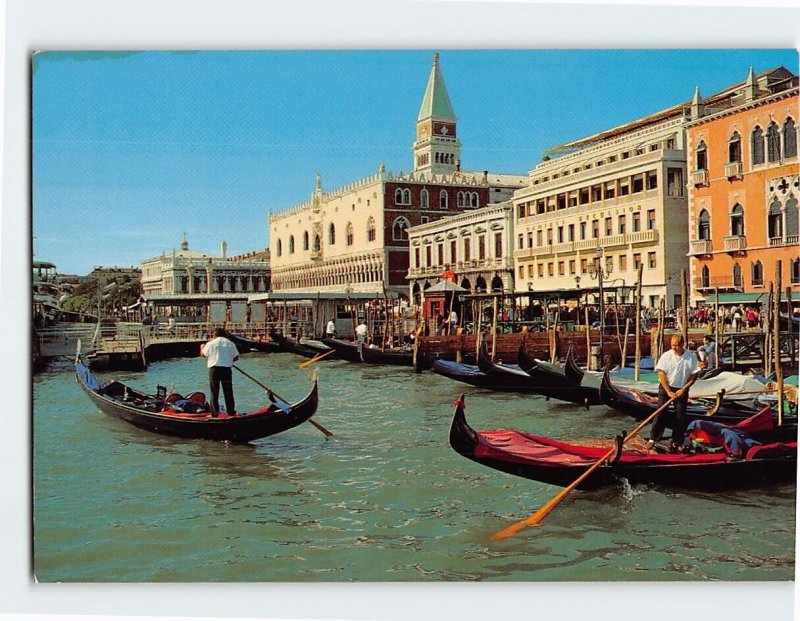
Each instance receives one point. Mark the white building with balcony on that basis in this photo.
(616, 199)
(475, 246)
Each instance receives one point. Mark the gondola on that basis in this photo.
(345, 350)
(515, 380)
(551, 381)
(640, 405)
(395, 357)
(301, 347)
(561, 463)
(162, 413)
(245, 344)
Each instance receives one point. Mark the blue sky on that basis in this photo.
(131, 150)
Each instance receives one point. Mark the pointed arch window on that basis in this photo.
(291, 244)
(423, 199)
(757, 274)
(701, 156)
(400, 229)
(443, 199)
(305, 240)
(773, 143)
(737, 275)
(474, 201)
(371, 229)
(280, 247)
(789, 138)
(460, 199)
(317, 243)
(791, 218)
(737, 221)
(331, 234)
(757, 146)
(705, 277)
(775, 220)
(348, 234)
(734, 148)
(704, 225)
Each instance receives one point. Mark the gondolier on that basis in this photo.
(677, 371)
(221, 353)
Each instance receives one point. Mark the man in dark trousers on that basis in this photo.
(220, 353)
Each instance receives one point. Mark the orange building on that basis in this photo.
(744, 185)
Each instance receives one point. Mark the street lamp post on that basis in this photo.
(598, 271)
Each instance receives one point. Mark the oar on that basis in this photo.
(317, 357)
(537, 517)
(272, 396)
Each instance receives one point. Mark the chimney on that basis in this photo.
(223, 249)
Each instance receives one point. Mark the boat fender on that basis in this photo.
(618, 441)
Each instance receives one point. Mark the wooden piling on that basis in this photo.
(777, 340)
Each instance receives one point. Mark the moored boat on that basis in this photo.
(302, 347)
(168, 415)
(551, 381)
(245, 344)
(345, 350)
(395, 357)
(561, 463)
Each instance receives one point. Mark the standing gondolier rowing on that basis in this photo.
(221, 353)
(677, 371)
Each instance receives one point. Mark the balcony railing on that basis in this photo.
(790, 240)
(700, 246)
(733, 170)
(724, 283)
(735, 243)
(700, 177)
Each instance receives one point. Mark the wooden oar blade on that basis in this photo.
(303, 365)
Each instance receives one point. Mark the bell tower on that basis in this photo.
(437, 149)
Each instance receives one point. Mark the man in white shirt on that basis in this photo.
(330, 329)
(361, 335)
(220, 353)
(677, 371)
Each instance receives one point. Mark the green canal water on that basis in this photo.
(385, 499)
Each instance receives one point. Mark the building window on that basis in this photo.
(773, 143)
(305, 240)
(424, 219)
(560, 268)
(675, 182)
(571, 232)
(317, 243)
(400, 229)
(371, 229)
(595, 229)
(439, 254)
(638, 183)
(560, 234)
(795, 271)
(481, 247)
(737, 220)
(331, 234)
(789, 138)
(651, 260)
(621, 225)
(498, 245)
(757, 274)
(530, 239)
(623, 263)
(572, 267)
(584, 266)
(428, 257)
(701, 156)
(348, 234)
(583, 230)
(757, 146)
(550, 271)
(467, 248)
(416, 258)
(291, 244)
(637, 222)
(520, 241)
(280, 247)
(652, 180)
(540, 269)
(443, 199)
(423, 199)
(735, 148)
(705, 277)
(402, 196)
(791, 218)
(637, 261)
(737, 275)
(624, 187)
(775, 220)
(609, 230)
(651, 219)
(611, 189)
(520, 211)
(704, 225)
(452, 252)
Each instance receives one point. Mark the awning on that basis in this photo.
(743, 298)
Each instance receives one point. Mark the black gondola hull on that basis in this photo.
(242, 428)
